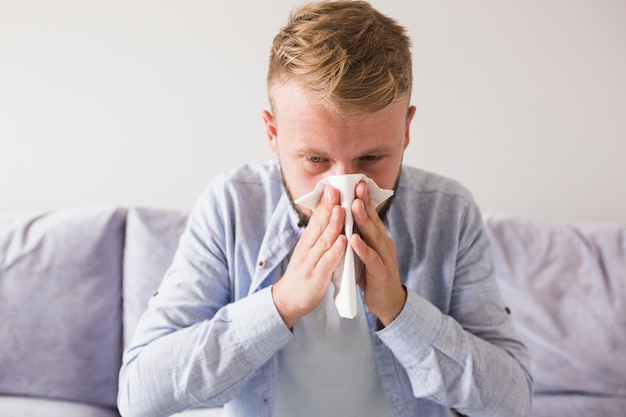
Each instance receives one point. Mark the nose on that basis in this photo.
(345, 168)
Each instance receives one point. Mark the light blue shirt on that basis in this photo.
(212, 334)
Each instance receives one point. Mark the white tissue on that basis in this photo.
(344, 277)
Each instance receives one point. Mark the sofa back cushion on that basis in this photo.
(566, 286)
(151, 239)
(60, 304)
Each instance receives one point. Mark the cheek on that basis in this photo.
(385, 176)
(386, 182)
(297, 180)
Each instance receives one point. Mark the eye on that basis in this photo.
(316, 159)
(370, 158)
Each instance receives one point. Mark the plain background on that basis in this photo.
(141, 103)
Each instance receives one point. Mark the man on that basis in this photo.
(243, 318)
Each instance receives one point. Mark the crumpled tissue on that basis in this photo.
(344, 277)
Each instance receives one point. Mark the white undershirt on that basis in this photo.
(329, 369)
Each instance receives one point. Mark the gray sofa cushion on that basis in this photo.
(60, 303)
(13, 406)
(566, 286)
(578, 405)
(151, 239)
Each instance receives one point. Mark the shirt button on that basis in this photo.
(261, 264)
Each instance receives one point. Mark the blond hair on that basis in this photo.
(345, 54)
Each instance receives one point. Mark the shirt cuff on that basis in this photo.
(416, 328)
(259, 328)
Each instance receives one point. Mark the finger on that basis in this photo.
(330, 233)
(362, 194)
(308, 255)
(330, 259)
(320, 217)
(370, 257)
(369, 224)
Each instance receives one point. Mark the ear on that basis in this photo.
(271, 131)
(409, 117)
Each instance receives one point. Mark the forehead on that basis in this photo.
(299, 116)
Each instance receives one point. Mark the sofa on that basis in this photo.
(74, 282)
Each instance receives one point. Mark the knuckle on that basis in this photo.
(325, 241)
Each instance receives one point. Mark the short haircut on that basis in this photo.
(345, 54)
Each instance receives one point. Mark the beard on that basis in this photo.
(303, 218)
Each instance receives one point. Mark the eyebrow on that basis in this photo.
(307, 150)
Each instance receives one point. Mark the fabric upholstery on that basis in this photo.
(60, 303)
(151, 240)
(565, 284)
(15, 406)
(578, 405)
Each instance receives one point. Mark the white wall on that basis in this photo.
(142, 102)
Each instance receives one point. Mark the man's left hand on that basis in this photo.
(383, 292)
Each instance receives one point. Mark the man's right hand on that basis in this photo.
(314, 259)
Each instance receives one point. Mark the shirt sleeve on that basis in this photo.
(468, 358)
(194, 345)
